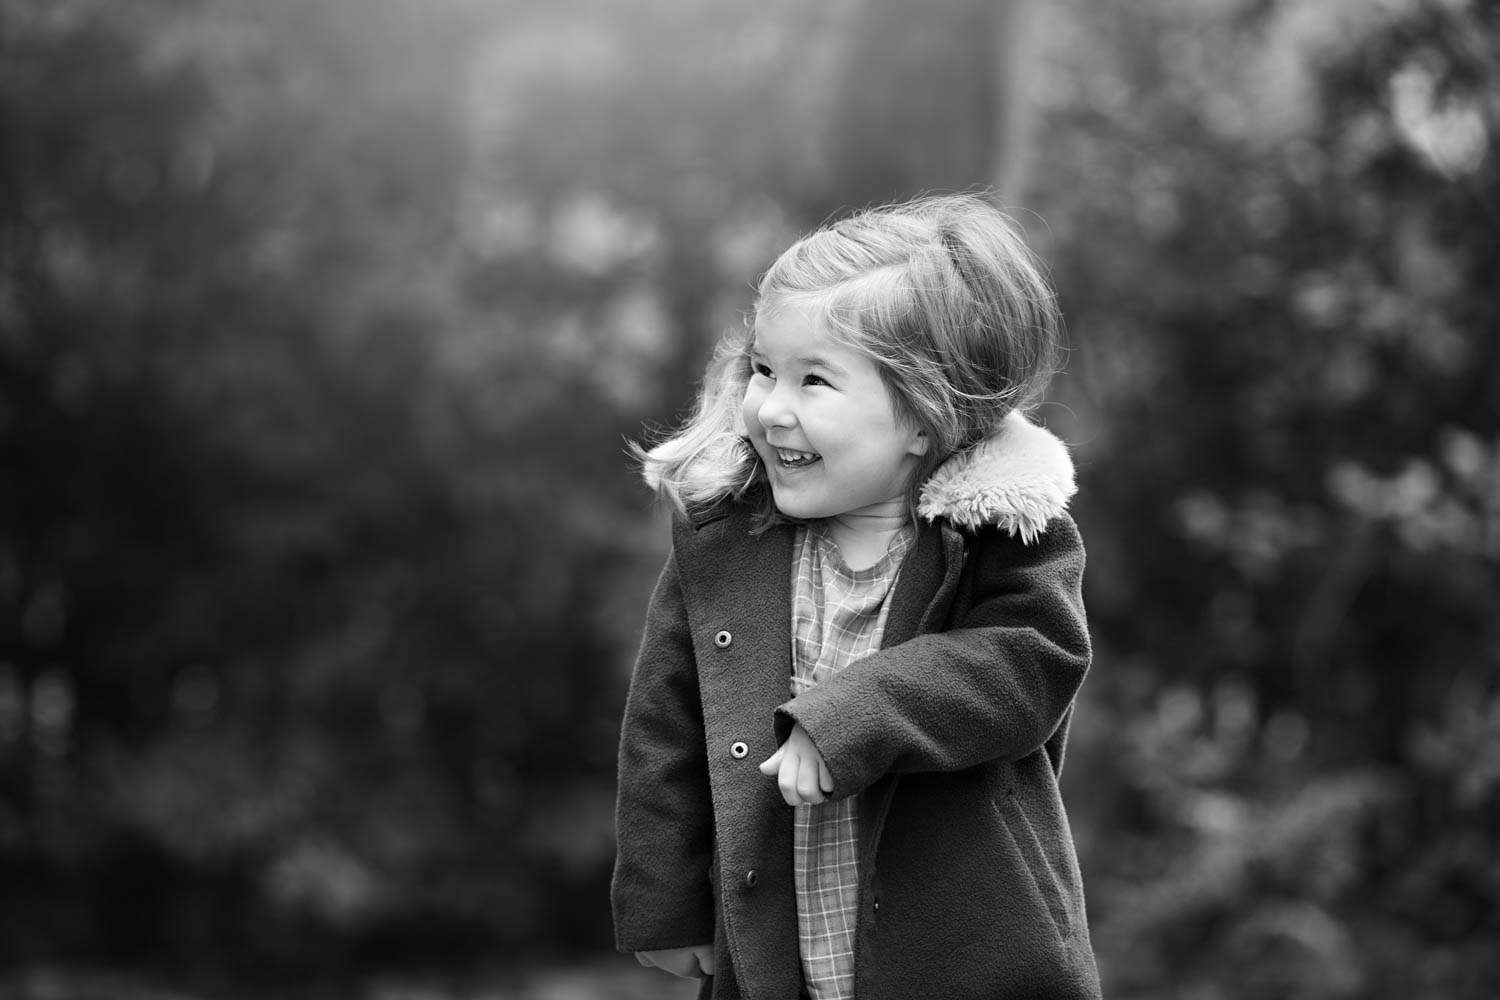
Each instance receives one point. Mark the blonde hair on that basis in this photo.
(940, 292)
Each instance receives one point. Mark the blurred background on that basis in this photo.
(323, 326)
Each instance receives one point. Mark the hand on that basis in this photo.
(689, 963)
(799, 770)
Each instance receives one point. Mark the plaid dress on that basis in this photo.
(838, 616)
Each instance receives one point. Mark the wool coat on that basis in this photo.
(952, 736)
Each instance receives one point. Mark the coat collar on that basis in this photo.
(1018, 479)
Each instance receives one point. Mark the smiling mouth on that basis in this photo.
(787, 458)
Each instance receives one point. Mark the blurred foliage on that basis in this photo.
(1276, 231)
(322, 325)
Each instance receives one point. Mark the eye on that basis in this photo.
(814, 380)
(760, 368)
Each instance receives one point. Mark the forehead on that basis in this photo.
(799, 327)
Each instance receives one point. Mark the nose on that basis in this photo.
(775, 409)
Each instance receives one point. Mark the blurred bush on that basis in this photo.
(1275, 231)
(322, 326)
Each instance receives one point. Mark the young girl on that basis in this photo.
(840, 750)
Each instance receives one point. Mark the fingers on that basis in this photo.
(772, 764)
(801, 775)
(790, 769)
(809, 788)
(798, 779)
(682, 962)
(786, 779)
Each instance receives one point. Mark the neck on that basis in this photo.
(863, 535)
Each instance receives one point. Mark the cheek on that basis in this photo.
(749, 408)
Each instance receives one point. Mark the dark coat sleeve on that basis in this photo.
(994, 685)
(664, 818)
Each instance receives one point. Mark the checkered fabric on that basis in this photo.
(838, 616)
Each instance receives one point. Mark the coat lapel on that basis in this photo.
(740, 583)
(926, 585)
(738, 590)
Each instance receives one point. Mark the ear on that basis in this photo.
(919, 443)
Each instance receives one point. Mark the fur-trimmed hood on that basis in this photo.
(1019, 478)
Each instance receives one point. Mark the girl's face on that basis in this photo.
(823, 422)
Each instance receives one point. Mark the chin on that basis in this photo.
(789, 507)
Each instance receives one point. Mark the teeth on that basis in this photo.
(794, 457)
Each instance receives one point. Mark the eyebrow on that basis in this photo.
(813, 361)
(805, 360)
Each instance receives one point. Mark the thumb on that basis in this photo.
(772, 764)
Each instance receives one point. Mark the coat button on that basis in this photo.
(738, 750)
(751, 878)
(722, 639)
